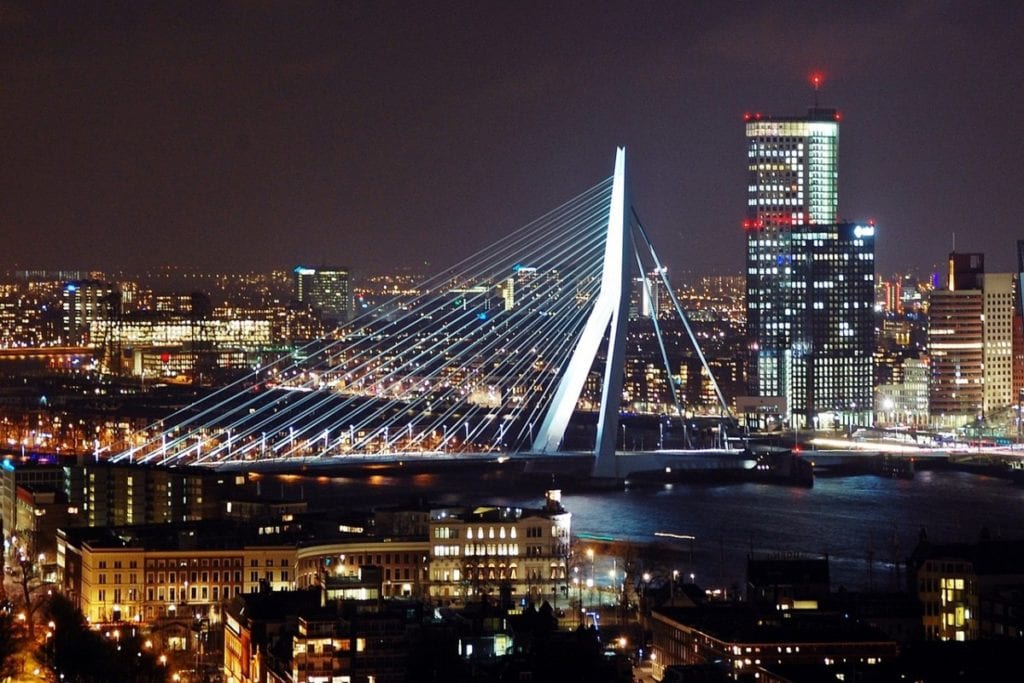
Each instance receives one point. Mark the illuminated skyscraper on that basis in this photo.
(810, 278)
(85, 302)
(970, 343)
(793, 169)
(326, 289)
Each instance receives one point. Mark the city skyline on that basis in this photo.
(235, 137)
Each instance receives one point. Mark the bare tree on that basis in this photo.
(33, 589)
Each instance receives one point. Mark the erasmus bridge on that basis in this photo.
(491, 356)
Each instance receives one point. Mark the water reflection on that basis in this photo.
(865, 524)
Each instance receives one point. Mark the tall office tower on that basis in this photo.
(84, 303)
(648, 297)
(1018, 339)
(970, 342)
(326, 289)
(997, 342)
(810, 279)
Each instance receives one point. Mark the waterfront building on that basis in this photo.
(970, 343)
(108, 494)
(997, 342)
(327, 289)
(905, 402)
(488, 550)
(955, 338)
(810, 278)
(1018, 339)
(1018, 370)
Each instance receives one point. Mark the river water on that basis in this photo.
(863, 523)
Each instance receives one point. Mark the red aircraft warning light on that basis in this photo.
(817, 78)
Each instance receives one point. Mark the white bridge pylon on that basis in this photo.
(609, 314)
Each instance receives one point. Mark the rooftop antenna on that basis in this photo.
(816, 81)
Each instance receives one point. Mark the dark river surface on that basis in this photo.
(863, 523)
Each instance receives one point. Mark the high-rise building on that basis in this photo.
(810, 278)
(970, 343)
(793, 169)
(86, 302)
(997, 342)
(1018, 340)
(954, 346)
(326, 289)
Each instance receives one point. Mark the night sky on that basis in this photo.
(256, 135)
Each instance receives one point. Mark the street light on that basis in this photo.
(647, 580)
(592, 581)
(579, 597)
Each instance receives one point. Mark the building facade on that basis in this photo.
(86, 302)
(905, 402)
(758, 646)
(997, 342)
(955, 337)
(326, 289)
(403, 563)
(971, 343)
(968, 591)
(488, 550)
(145, 574)
(810, 278)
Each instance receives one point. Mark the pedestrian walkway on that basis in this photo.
(643, 674)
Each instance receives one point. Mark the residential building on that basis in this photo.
(148, 573)
(403, 563)
(308, 637)
(16, 476)
(767, 645)
(86, 302)
(109, 494)
(39, 513)
(965, 589)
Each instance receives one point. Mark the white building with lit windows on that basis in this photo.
(487, 549)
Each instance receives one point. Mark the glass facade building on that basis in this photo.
(810, 278)
(326, 289)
